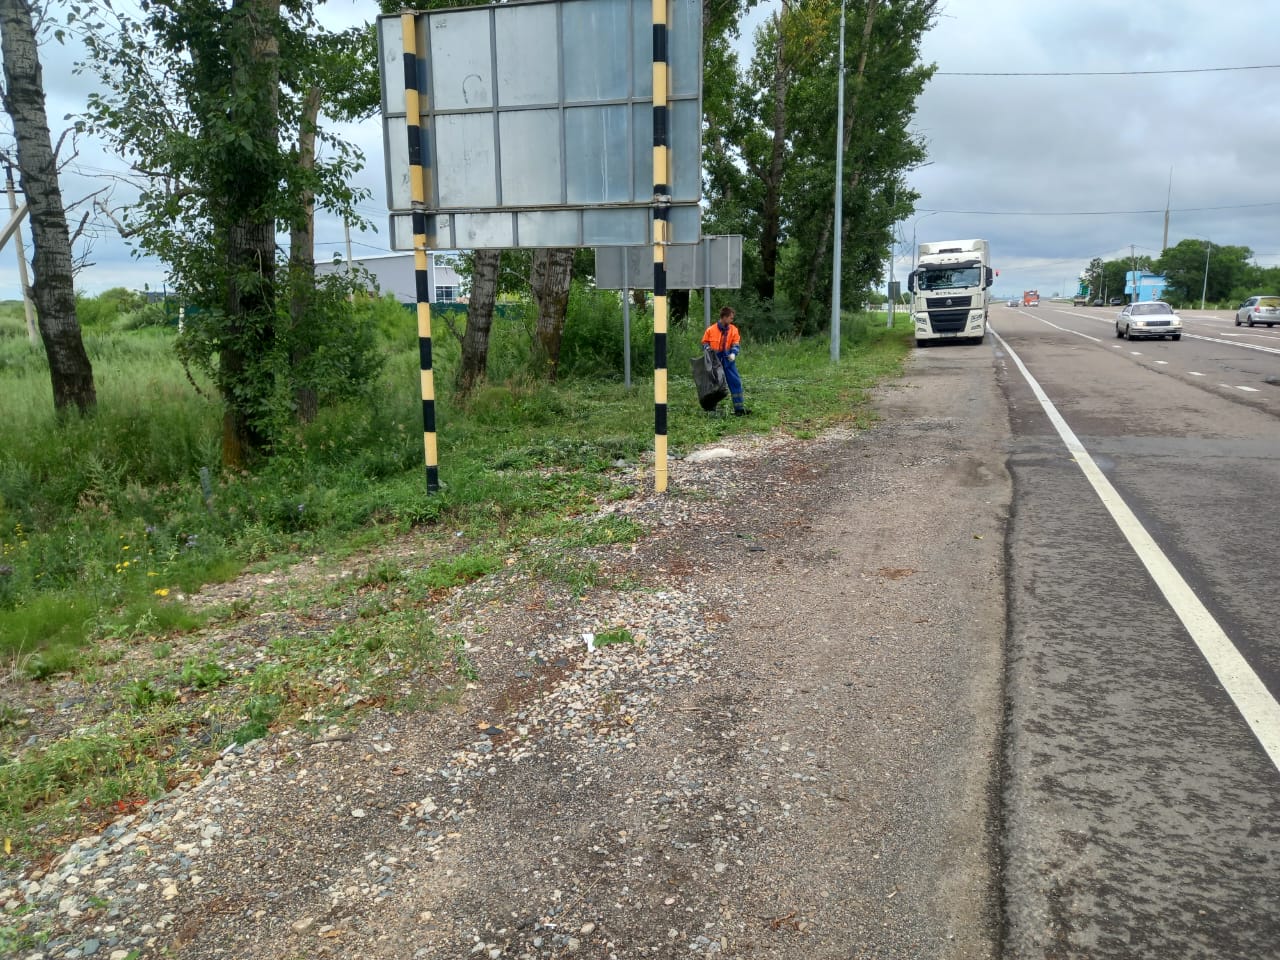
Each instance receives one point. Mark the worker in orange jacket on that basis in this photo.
(724, 340)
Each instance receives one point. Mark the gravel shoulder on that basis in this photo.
(795, 757)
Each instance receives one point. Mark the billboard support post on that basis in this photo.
(421, 270)
(661, 208)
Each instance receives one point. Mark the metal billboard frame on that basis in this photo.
(535, 124)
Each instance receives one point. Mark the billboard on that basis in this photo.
(536, 123)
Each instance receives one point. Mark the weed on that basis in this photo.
(466, 669)
(261, 712)
(142, 694)
(383, 573)
(577, 575)
(611, 637)
(204, 675)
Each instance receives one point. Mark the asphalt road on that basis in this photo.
(1140, 789)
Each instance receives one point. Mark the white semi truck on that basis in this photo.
(949, 290)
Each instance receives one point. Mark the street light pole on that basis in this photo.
(835, 257)
(913, 237)
(1207, 245)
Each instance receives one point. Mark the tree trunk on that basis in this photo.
(53, 288)
(678, 305)
(251, 242)
(552, 271)
(811, 283)
(475, 341)
(302, 260)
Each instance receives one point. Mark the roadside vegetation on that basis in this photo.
(111, 524)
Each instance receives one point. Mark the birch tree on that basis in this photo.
(53, 285)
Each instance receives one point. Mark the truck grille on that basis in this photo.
(947, 303)
(948, 321)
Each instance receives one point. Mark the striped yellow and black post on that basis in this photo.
(661, 209)
(413, 101)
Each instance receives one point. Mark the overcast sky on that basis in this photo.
(1052, 170)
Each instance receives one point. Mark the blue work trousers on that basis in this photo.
(731, 375)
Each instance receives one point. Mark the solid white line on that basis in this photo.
(1250, 389)
(1193, 373)
(1254, 701)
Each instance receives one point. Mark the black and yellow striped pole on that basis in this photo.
(661, 209)
(422, 276)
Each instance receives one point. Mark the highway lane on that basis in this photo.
(1141, 809)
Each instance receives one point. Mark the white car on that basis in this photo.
(1150, 318)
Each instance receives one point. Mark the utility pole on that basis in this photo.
(1208, 244)
(1164, 244)
(32, 334)
(1137, 293)
(835, 258)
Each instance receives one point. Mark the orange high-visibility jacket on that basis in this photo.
(723, 341)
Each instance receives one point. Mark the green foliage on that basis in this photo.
(610, 638)
(769, 157)
(204, 674)
(104, 523)
(105, 309)
(185, 91)
(454, 571)
(591, 347)
(260, 713)
(142, 694)
(1197, 268)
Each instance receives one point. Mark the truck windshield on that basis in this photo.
(950, 278)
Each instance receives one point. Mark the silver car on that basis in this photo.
(1259, 310)
(1151, 318)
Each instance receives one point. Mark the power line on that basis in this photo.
(1096, 213)
(1106, 73)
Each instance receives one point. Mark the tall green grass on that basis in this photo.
(102, 519)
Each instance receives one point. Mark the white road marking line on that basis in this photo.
(1259, 708)
(1195, 373)
(1190, 336)
(1163, 363)
(1233, 343)
(1136, 353)
(1250, 389)
(1065, 330)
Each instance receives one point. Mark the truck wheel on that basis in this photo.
(1176, 336)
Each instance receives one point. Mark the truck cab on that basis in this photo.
(949, 291)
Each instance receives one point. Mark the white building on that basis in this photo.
(393, 273)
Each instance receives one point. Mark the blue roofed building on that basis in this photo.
(1141, 285)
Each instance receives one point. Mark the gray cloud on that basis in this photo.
(1024, 151)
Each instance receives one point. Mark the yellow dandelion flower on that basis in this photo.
(162, 592)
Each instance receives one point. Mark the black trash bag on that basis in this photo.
(708, 377)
